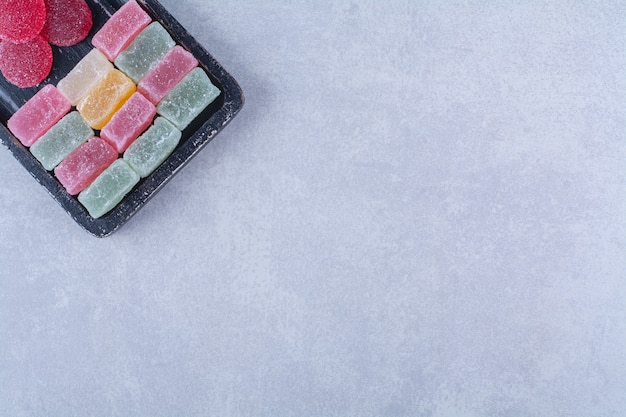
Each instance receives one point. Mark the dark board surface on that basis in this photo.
(202, 130)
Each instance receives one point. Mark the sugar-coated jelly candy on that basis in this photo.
(128, 123)
(105, 98)
(120, 30)
(84, 164)
(26, 64)
(187, 100)
(38, 115)
(145, 51)
(166, 74)
(153, 147)
(62, 138)
(21, 20)
(109, 188)
(67, 22)
(84, 75)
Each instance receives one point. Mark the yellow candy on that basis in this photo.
(105, 98)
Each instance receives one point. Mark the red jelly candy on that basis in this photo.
(67, 22)
(83, 166)
(26, 64)
(21, 20)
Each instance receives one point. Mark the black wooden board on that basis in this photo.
(202, 130)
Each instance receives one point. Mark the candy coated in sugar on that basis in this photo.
(62, 138)
(38, 115)
(84, 164)
(68, 22)
(128, 123)
(109, 188)
(26, 64)
(21, 20)
(120, 30)
(105, 98)
(188, 99)
(84, 75)
(153, 147)
(145, 51)
(166, 74)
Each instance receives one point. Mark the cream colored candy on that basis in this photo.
(84, 75)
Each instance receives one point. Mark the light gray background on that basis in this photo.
(421, 211)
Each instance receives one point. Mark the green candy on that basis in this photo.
(187, 100)
(145, 51)
(108, 189)
(153, 147)
(62, 138)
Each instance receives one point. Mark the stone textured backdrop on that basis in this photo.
(421, 211)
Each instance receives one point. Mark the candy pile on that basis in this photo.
(119, 113)
(29, 27)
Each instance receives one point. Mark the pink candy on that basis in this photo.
(166, 74)
(38, 115)
(82, 167)
(120, 30)
(128, 123)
